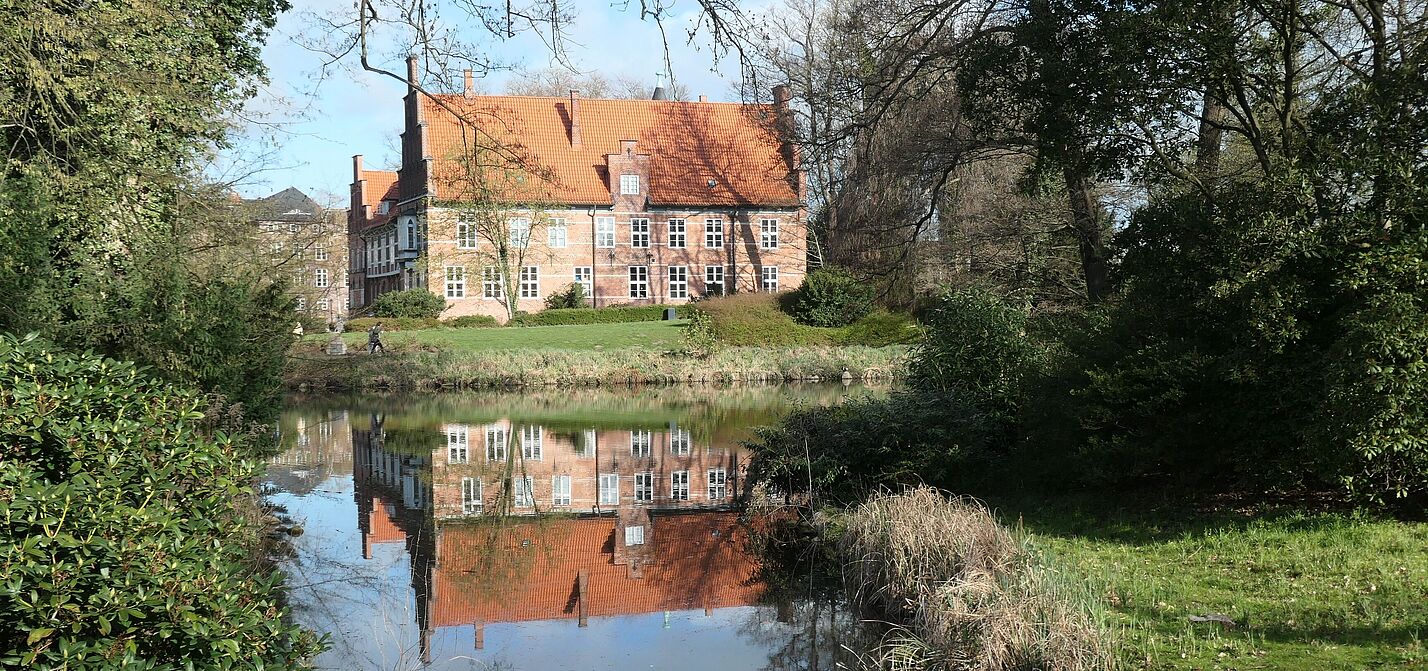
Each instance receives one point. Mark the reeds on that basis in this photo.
(963, 592)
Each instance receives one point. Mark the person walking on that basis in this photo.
(374, 339)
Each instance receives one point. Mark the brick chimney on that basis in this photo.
(470, 89)
(574, 118)
(411, 74)
(784, 127)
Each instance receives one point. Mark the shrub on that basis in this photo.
(698, 338)
(471, 322)
(830, 298)
(125, 543)
(391, 324)
(412, 303)
(975, 347)
(609, 315)
(572, 296)
(755, 320)
(879, 329)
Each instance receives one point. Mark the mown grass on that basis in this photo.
(1306, 590)
(657, 335)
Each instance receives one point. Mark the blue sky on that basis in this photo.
(310, 126)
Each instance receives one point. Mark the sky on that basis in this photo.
(306, 124)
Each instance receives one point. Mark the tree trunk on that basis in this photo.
(1211, 139)
(1086, 220)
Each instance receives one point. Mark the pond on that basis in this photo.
(542, 530)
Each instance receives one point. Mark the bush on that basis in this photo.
(609, 315)
(412, 304)
(755, 320)
(391, 324)
(572, 296)
(879, 329)
(125, 543)
(471, 322)
(830, 298)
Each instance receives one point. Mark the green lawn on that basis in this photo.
(649, 335)
(1306, 590)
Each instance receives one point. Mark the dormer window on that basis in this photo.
(384, 207)
(629, 185)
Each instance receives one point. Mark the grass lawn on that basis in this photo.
(657, 335)
(1306, 590)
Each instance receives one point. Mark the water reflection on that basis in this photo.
(562, 530)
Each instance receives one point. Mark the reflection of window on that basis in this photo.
(470, 496)
(679, 485)
(644, 486)
(640, 443)
(585, 445)
(679, 441)
(717, 484)
(634, 535)
(560, 490)
(604, 232)
(609, 489)
(495, 443)
(532, 442)
(523, 490)
(458, 443)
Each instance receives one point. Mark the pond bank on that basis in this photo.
(437, 369)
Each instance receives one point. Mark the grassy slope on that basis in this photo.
(660, 335)
(1309, 591)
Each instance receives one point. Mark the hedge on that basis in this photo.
(391, 323)
(610, 315)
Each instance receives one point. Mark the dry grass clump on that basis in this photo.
(964, 592)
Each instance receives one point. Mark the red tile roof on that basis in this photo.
(689, 145)
(381, 185)
(529, 570)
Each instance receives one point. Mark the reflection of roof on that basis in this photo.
(690, 144)
(383, 528)
(530, 570)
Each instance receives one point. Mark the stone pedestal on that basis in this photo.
(336, 347)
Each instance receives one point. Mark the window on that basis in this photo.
(609, 489)
(629, 185)
(520, 230)
(713, 232)
(555, 233)
(679, 442)
(319, 253)
(319, 278)
(640, 233)
(634, 535)
(717, 486)
(679, 485)
(465, 231)
(560, 490)
(301, 303)
(276, 247)
(491, 284)
(384, 207)
(768, 279)
(644, 486)
(495, 443)
(639, 282)
(768, 234)
(586, 279)
(323, 303)
(523, 491)
(604, 232)
(713, 280)
(293, 228)
(530, 282)
(676, 233)
(458, 443)
(471, 499)
(640, 443)
(456, 281)
(678, 282)
(345, 281)
(532, 442)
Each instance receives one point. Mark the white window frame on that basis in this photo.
(319, 278)
(605, 232)
(560, 490)
(523, 491)
(634, 535)
(718, 481)
(714, 233)
(556, 234)
(679, 486)
(466, 232)
(768, 234)
(679, 282)
(640, 233)
(302, 303)
(676, 230)
(492, 285)
(609, 489)
(641, 443)
(765, 272)
(680, 442)
(323, 303)
(585, 277)
(519, 229)
(498, 441)
(472, 496)
(458, 444)
(455, 281)
(714, 275)
(530, 281)
(532, 442)
(644, 487)
(629, 185)
(319, 253)
(639, 281)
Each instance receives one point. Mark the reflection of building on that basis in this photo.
(641, 537)
(316, 447)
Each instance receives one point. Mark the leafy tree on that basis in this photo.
(830, 298)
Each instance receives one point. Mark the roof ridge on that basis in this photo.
(463, 96)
